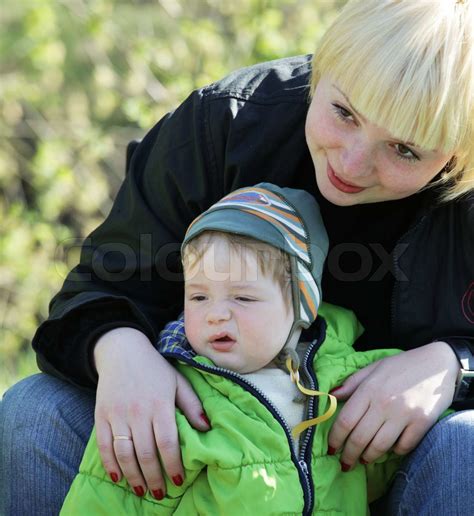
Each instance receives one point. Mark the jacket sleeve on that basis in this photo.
(236, 132)
(437, 303)
(463, 330)
(129, 270)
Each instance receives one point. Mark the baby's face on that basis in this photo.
(233, 313)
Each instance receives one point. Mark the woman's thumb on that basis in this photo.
(190, 405)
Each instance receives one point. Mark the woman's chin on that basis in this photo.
(335, 196)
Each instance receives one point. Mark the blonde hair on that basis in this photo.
(408, 66)
(271, 261)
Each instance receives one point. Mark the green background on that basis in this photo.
(79, 80)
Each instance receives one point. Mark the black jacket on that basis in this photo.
(247, 128)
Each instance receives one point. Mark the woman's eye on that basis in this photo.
(405, 152)
(342, 113)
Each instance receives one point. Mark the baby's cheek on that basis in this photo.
(191, 327)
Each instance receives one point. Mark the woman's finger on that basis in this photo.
(147, 456)
(413, 434)
(190, 404)
(347, 419)
(166, 438)
(125, 454)
(383, 441)
(106, 449)
(359, 439)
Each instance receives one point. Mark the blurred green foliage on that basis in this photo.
(79, 80)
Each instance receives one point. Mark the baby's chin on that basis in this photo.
(234, 366)
(233, 363)
(248, 369)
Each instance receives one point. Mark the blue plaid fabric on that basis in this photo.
(172, 340)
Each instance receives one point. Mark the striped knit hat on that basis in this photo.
(285, 218)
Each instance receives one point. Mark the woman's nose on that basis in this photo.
(357, 160)
(218, 312)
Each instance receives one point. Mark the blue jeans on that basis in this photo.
(45, 424)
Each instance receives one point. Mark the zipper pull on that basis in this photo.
(303, 466)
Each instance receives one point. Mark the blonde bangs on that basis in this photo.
(408, 67)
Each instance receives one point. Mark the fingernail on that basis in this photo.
(114, 477)
(158, 494)
(177, 480)
(363, 461)
(139, 491)
(332, 391)
(345, 467)
(331, 450)
(205, 419)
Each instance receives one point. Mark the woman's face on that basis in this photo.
(358, 162)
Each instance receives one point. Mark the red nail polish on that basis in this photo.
(332, 391)
(331, 450)
(345, 467)
(363, 461)
(139, 491)
(177, 480)
(158, 494)
(205, 419)
(114, 477)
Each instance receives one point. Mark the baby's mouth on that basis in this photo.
(222, 341)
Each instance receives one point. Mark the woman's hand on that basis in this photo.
(392, 403)
(136, 397)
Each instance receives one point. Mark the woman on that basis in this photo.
(391, 113)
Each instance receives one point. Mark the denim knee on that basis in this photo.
(28, 406)
(44, 426)
(436, 478)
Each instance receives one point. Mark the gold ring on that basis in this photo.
(122, 438)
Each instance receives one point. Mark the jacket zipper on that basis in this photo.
(312, 411)
(303, 462)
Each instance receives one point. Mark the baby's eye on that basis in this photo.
(198, 298)
(244, 299)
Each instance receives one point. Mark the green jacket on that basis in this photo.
(245, 463)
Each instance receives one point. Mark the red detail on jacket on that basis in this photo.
(467, 303)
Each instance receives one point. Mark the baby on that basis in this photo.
(252, 267)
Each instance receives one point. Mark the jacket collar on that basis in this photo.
(172, 341)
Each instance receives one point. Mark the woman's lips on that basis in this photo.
(341, 185)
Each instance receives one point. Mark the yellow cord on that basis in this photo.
(295, 378)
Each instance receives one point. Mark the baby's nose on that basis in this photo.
(218, 312)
